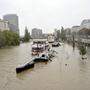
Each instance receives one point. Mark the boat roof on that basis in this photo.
(39, 40)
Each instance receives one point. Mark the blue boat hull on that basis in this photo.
(40, 60)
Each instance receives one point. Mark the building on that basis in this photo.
(80, 33)
(13, 22)
(68, 33)
(50, 38)
(4, 25)
(72, 32)
(84, 35)
(36, 33)
(85, 24)
(75, 29)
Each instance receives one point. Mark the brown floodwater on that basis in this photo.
(66, 71)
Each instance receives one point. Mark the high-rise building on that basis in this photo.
(4, 25)
(36, 33)
(13, 22)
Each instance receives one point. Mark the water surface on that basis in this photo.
(66, 71)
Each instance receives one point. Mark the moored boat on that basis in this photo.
(25, 67)
(39, 46)
(42, 58)
(56, 44)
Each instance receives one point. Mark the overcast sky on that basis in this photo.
(46, 14)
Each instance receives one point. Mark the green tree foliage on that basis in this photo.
(2, 40)
(9, 38)
(27, 35)
(83, 50)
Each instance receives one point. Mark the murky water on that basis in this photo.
(66, 71)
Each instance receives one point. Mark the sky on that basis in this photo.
(46, 14)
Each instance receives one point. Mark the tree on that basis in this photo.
(57, 36)
(11, 38)
(15, 39)
(27, 35)
(83, 51)
(8, 37)
(63, 34)
(2, 40)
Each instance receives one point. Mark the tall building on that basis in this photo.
(36, 33)
(13, 22)
(4, 25)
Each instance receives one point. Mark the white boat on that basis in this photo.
(39, 47)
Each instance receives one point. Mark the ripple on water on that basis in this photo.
(66, 71)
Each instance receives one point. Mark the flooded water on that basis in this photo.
(66, 71)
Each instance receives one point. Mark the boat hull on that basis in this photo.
(40, 60)
(25, 67)
(56, 45)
